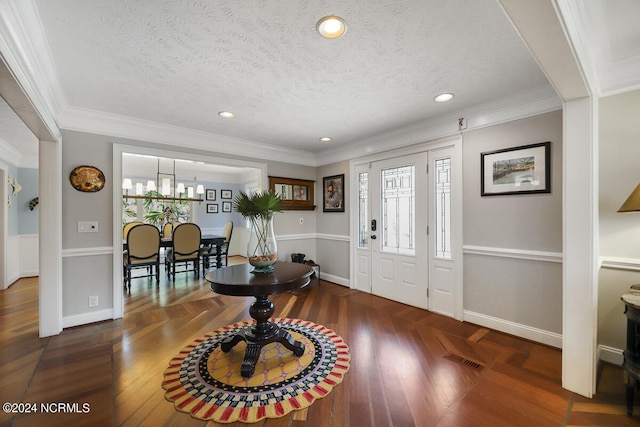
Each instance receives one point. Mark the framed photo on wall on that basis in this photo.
(333, 193)
(225, 194)
(296, 194)
(212, 208)
(518, 170)
(226, 206)
(211, 195)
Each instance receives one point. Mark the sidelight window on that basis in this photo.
(363, 215)
(443, 207)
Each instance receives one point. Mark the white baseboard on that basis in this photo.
(610, 354)
(85, 318)
(335, 279)
(13, 279)
(538, 335)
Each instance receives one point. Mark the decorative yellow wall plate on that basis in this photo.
(88, 179)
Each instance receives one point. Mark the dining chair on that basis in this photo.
(125, 230)
(209, 251)
(143, 250)
(128, 226)
(167, 230)
(185, 248)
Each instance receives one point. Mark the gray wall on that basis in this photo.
(28, 219)
(619, 144)
(295, 230)
(333, 254)
(87, 263)
(217, 220)
(510, 287)
(86, 273)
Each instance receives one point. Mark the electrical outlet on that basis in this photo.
(93, 301)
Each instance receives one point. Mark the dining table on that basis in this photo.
(205, 240)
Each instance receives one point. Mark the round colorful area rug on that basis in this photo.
(205, 382)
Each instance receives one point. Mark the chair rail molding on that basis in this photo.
(79, 252)
(525, 254)
(626, 264)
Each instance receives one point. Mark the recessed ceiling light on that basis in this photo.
(226, 114)
(331, 27)
(325, 139)
(443, 97)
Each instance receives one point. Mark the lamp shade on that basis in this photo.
(632, 204)
(151, 186)
(127, 184)
(200, 189)
(180, 188)
(165, 190)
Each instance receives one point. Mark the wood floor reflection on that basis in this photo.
(409, 367)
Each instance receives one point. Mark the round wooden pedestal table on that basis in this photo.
(237, 280)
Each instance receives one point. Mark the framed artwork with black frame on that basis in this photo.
(212, 208)
(519, 170)
(210, 195)
(333, 193)
(225, 194)
(226, 206)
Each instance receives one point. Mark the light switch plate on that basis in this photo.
(87, 226)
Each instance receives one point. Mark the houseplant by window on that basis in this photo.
(259, 209)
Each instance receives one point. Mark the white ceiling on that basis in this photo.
(180, 62)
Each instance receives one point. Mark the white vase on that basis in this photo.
(262, 250)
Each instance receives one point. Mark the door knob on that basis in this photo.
(373, 237)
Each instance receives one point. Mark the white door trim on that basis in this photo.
(456, 238)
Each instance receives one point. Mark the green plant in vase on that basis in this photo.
(259, 209)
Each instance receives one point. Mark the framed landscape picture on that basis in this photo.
(211, 194)
(225, 194)
(226, 206)
(212, 208)
(518, 170)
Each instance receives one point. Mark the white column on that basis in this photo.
(50, 234)
(580, 241)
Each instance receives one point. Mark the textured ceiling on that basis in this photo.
(180, 62)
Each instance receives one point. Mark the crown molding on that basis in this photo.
(537, 100)
(26, 55)
(9, 154)
(91, 121)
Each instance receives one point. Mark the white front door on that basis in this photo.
(393, 243)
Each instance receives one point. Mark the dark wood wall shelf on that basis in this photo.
(297, 194)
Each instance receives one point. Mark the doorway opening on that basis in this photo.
(219, 180)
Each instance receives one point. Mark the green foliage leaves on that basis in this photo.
(258, 205)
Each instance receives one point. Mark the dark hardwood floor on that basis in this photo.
(409, 367)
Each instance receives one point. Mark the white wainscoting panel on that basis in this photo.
(29, 262)
(13, 259)
(22, 257)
